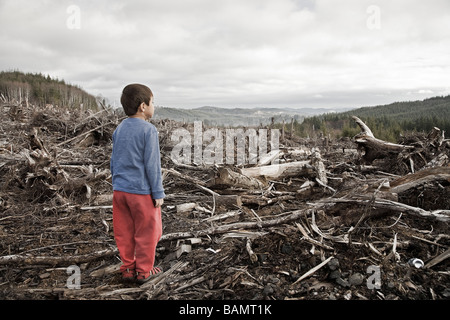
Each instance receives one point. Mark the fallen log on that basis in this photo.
(227, 177)
(269, 158)
(419, 178)
(56, 260)
(389, 205)
(282, 170)
(189, 207)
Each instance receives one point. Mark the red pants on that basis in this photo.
(137, 229)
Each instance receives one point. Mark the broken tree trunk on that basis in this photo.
(228, 177)
(393, 206)
(283, 170)
(419, 178)
(374, 148)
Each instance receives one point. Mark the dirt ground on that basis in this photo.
(53, 215)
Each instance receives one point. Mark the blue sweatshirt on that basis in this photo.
(135, 160)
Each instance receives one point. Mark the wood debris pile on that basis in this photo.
(338, 220)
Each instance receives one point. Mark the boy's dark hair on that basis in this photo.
(132, 97)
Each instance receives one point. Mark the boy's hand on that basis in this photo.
(159, 203)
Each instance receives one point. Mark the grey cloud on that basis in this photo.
(249, 53)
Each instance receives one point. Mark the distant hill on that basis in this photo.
(19, 87)
(237, 116)
(386, 121)
(437, 107)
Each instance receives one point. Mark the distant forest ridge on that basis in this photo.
(387, 122)
(215, 116)
(36, 88)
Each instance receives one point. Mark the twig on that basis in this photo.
(438, 259)
(311, 240)
(313, 270)
(191, 283)
(248, 247)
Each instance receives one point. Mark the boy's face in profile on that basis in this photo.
(149, 109)
(145, 111)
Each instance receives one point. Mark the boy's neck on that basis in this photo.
(138, 116)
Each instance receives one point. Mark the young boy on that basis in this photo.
(137, 185)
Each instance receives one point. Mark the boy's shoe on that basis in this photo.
(128, 275)
(143, 277)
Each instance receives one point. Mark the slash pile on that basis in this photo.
(325, 226)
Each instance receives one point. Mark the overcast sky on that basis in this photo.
(236, 53)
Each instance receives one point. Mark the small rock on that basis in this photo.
(268, 290)
(333, 264)
(356, 279)
(262, 257)
(342, 282)
(446, 293)
(331, 296)
(348, 295)
(44, 275)
(334, 274)
(273, 279)
(286, 248)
